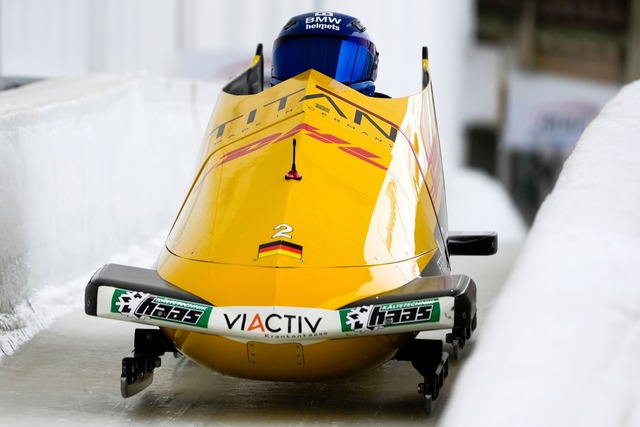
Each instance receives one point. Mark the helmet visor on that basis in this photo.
(346, 59)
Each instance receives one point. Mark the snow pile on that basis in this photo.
(562, 344)
(88, 167)
(478, 202)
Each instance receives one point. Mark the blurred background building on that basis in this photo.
(515, 82)
(559, 62)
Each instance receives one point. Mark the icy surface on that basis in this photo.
(88, 167)
(562, 344)
(38, 310)
(478, 202)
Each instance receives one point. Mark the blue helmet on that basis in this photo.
(333, 43)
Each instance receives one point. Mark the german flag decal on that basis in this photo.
(280, 247)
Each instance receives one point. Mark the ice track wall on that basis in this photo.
(562, 344)
(70, 151)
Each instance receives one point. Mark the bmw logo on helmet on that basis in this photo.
(334, 44)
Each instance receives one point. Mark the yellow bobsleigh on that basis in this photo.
(312, 244)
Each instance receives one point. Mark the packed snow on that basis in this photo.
(88, 167)
(562, 343)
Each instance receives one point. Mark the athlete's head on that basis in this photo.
(333, 43)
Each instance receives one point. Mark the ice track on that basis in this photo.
(69, 374)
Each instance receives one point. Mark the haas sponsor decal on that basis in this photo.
(373, 317)
(146, 306)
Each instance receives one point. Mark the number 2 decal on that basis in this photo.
(285, 229)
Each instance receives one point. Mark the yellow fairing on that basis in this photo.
(361, 221)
